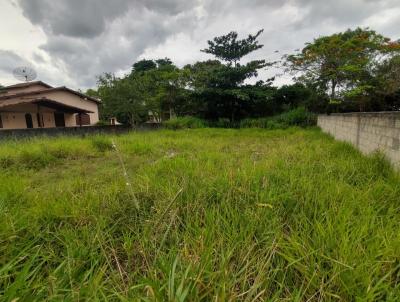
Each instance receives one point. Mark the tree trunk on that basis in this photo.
(333, 90)
(132, 120)
(171, 112)
(232, 111)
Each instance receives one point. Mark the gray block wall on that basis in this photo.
(368, 131)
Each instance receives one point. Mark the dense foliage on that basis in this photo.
(186, 122)
(355, 70)
(348, 66)
(296, 117)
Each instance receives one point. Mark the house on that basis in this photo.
(39, 105)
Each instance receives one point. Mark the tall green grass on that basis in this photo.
(296, 117)
(186, 122)
(224, 215)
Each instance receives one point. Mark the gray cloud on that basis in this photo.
(88, 37)
(10, 60)
(89, 18)
(116, 48)
(340, 12)
(73, 17)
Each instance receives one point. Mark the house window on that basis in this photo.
(28, 120)
(83, 119)
(59, 119)
(1, 122)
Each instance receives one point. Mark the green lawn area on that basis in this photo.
(210, 215)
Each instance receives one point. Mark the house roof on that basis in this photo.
(36, 92)
(27, 84)
(45, 102)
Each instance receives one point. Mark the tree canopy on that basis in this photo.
(221, 86)
(343, 64)
(229, 49)
(354, 70)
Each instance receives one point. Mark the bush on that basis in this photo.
(103, 123)
(222, 123)
(254, 123)
(187, 122)
(296, 117)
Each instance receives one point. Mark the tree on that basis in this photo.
(92, 92)
(388, 75)
(342, 63)
(228, 48)
(386, 82)
(168, 87)
(300, 95)
(221, 86)
(292, 96)
(143, 65)
(164, 62)
(124, 98)
(152, 87)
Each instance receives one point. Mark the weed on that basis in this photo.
(102, 143)
(184, 122)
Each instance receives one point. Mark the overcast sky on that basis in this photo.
(70, 42)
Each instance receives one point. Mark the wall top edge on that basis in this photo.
(378, 113)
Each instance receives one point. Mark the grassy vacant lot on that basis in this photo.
(224, 215)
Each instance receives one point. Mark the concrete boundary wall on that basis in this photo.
(368, 131)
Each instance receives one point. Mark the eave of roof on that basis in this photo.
(63, 88)
(44, 102)
(19, 85)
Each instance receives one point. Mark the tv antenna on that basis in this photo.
(24, 73)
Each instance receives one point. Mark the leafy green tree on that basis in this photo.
(386, 83)
(168, 87)
(143, 65)
(229, 49)
(151, 88)
(222, 86)
(292, 96)
(92, 92)
(342, 63)
(298, 94)
(127, 99)
(388, 75)
(164, 62)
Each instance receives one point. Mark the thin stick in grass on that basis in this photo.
(170, 223)
(125, 172)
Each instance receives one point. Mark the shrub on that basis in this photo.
(222, 123)
(254, 123)
(296, 117)
(185, 123)
(102, 123)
